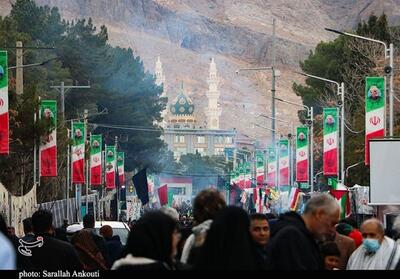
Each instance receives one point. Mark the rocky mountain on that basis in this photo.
(237, 33)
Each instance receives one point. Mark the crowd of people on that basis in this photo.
(217, 236)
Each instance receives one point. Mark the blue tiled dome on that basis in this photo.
(182, 105)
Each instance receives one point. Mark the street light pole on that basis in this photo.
(388, 55)
(340, 92)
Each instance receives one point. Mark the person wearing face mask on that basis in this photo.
(293, 245)
(378, 252)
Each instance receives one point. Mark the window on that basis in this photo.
(179, 138)
(219, 139)
(201, 139)
(228, 140)
(219, 150)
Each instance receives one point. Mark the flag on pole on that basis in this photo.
(342, 198)
(283, 162)
(140, 184)
(78, 152)
(163, 194)
(294, 198)
(302, 154)
(111, 158)
(271, 166)
(374, 111)
(121, 168)
(48, 143)
(4, 125)
(331, 154)
(260, 167)
(96, 143)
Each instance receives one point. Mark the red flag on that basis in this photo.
(163, 194)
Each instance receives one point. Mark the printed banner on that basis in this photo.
(48, 143)
(96, 143)
(111, 158)
(374, 111)
(271, 166)
(121, 170)
(284, 162)
(331, 138)
(4, 125)
(302, 154)
(78, 152)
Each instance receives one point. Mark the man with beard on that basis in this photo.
(294, 238)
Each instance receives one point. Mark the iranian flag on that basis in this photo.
(260, 167)
(294, 198)
(342, 197)
(4, 128)
(302, 154)
(247, 176)
(271, 166)
(111, 158)
(48, 143)
(121, 169)
(283, 162)
(374, 111)
(331, 142)
(78, 152)
(95, 160)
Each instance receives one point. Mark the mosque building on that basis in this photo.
(182, 133)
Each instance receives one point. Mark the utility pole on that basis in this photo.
(63, 89)
(116, 166)
(68, 186)
(85, 116)
(19, 58)
(273, 84)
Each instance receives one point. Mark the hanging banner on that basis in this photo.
(331, 138)
(4, 125)
(260, 167)
(111, 158)
(374, 111)
(96, 143)
(271, 166)
(284, 162)
(78, 152)
(302, 154)
(48, 143)
(121, 170)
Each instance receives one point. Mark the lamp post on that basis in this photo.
(340, 92)
(310, 122)
(388, 69)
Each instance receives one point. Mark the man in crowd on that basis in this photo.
(259, 230)
(293, 245)
(378, 252)
(47, 252)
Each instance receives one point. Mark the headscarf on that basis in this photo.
(151, 237)
(228, 243)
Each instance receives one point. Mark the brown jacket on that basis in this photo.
(346, 247)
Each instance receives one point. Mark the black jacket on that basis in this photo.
(114, 248)
(54, 255)
(292, 247)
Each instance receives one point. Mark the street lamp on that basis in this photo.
(33, 65)
(275, 73)
(388, 69)
(340, 92)
(352, 166)
(310, 122)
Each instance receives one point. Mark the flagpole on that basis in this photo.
(68, 174)
(34, 151)
(115, 172)
(87, 187)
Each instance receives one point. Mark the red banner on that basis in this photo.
(78, 171)
(48, 163)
